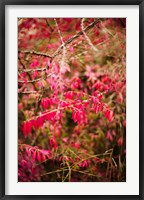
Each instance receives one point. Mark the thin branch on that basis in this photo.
(59, 170)
(27, 72)
(48, 24)
(21, 62)
(106, 30)
(35, 53)
(86, 37)
(35, 80)
(28, 92)
(31, 81)
(32, 70)
(69, 173)
(83, 172)
(64, 48)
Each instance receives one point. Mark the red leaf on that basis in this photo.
(34, 156)
(38, 156)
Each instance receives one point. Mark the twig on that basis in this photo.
(83, 172)
(28, 92)
(69, 173)
(48, 24)
(59, 170)
(32, 70)
(86, 37)
(35, 80)
(27, 72)
(31, 81)
(64, 48)
(106, 30)
(35, 52)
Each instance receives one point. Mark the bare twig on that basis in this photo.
(86, 37)
(32, 70)
(64, 48)
(35, 80)
(31, 81)
(59, 170)
(28, 92)
(35, 52)
(106, 30)
(48, 24)
(27, 72)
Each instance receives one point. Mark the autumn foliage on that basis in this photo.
(71, 99)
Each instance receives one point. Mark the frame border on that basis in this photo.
(3, 3)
